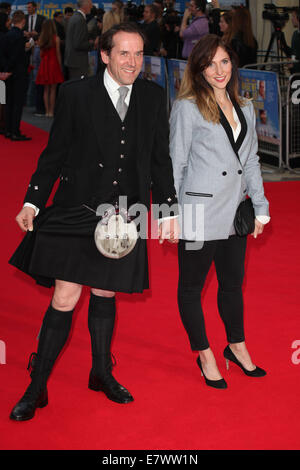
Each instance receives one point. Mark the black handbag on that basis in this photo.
(244, 220)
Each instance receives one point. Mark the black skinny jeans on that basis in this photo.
(229, 257)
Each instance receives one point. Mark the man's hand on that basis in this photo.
(25, 219)
(169, 230)
(259, 228)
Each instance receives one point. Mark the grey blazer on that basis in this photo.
(209, 178)
(77, 43)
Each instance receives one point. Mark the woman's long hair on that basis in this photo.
(195, 87)
(227, 16)
(48, 32)
(241, 25)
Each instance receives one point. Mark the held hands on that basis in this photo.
(25, 219)
(169, 230)
(259, 228)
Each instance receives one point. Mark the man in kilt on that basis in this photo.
(109, 139)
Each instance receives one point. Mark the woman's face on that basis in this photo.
(223, 25)
(218, 73)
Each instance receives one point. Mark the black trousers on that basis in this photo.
(229, 257)
(15, 93)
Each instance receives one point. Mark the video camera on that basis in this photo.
(278, 15)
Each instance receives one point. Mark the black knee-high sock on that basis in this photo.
(101, 320)
(53, 336)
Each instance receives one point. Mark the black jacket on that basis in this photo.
(79, 142)
(14, 52)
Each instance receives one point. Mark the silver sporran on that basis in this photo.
(115, 235)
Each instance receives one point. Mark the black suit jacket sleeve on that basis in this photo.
(53, 157)
(14, 51)
(163, 191)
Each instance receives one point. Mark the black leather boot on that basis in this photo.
(36, 395)
(101, 322)
(54, 333)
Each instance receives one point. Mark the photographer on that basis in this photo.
(171, 41)
(198, 27)
(295, 46)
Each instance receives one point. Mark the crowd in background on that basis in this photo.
(37, 54)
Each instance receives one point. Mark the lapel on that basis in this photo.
(99, 102)
(227, 127)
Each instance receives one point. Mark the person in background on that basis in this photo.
(151, 30)
(50, 69)
(68, 13)
(197, 28)
(241, 37)
(5, 7)
(58, 18)
(4, 27)
(78, 44)
(114, 16)
(34, 22)
(15, 64)
(91, 20)
(294, 50)
(213, 146)
(225, 25)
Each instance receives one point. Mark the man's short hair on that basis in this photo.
(201, 5)
(68, 10)
(57, 13)
(17, 16)
(153, 9)
(33, 4)
(106, 40)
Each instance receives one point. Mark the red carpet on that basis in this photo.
(173, 408)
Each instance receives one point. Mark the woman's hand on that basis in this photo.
(259, 228)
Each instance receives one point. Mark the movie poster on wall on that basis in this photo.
(262, 88)
(175, 70)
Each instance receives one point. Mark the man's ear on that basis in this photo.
(104, 57)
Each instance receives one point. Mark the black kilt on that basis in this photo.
(62, 246)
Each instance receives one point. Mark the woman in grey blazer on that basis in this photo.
(213, 145)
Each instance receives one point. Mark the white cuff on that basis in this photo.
(37, 210)
(263, 219)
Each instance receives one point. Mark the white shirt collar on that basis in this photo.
(80, 11)
(111, 85)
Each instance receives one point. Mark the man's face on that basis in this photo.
(86, 8)
(126, 57)
(295, 21)
(31, 9)
(263, 117)
(59, 18)
(147, 15)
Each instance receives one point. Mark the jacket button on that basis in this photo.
(122, 141)
(115, 183)
(120, 170)
(101, 165)
(224, 173)
(122, 156)
(240, 172)
(123, 128)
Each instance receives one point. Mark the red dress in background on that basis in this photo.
(49, 71)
